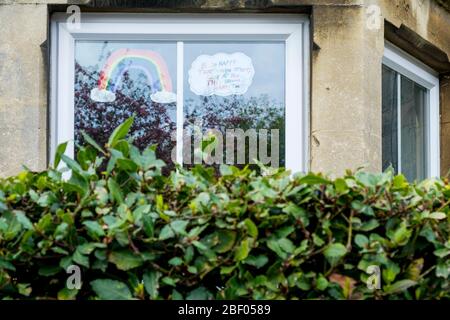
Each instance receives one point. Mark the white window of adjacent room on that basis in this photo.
(410, 119)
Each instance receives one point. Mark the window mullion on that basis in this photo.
(180, 100)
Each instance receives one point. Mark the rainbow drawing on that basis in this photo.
(148, 62)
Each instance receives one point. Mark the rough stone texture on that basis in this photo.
(23, 88)
(345, 112)
(425, 17)
(445, 125)
(345, 86)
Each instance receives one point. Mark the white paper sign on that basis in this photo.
(221, 74)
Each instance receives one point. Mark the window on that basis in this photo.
(242, 79)
(410, 116)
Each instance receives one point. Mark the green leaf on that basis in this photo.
(286, 245)
(107, 289)
(258, 261)
(341, 186)
(443, 270)
(225, 170)
(94, 229)
(91, 141)
(23, 219)
(312, 179)
(282, 247)
(200, 246)
(438, 215)
(275, 247)
(169, 281)
(151, 283)
(298, 212)
(227, 238)
(362, 208)
(390, 272)
(72, 164)
(284, 232)
(321, 283)
(242, 250)
(67, 294)
(400, 181)
(45, 223)
(176, 261)
(59, 151)
(147, 160)
(80, 259)
(115, 155)
(116, 193)
(166, 233)
(227, 270)
(200, 293)
(401, 235)
(318, 241)
(120, 132)
(179, 226)
(65, 262)
(399, 286)
(441, 253)
(24, 289)
(176, 295)
(148, 225)
(369, 225)
(334, 252)
(361, 240)
(61, 231)
(367, 179)
(125, 260)
(159, 201)
(251, 228)
(140, 211)
(123, 147)
(47, 271)
(77, 183)
(6, 265)
(87, 248)
(127, 165)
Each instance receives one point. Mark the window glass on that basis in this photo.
(236, 91)
(413, 129)
(410, 135)
(114, 80)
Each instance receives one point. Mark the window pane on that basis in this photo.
(389, 120)
(237, 89)
(114, 80)
(413, 125)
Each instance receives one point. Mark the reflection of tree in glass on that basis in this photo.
(235, 112)
(153, 123)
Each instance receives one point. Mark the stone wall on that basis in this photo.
(23, 87)
(345, 82)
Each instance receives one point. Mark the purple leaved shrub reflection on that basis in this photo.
(153, 124)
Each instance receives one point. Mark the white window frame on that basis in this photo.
(293, 29)
(413, 69)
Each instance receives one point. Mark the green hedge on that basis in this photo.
(138, 234)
